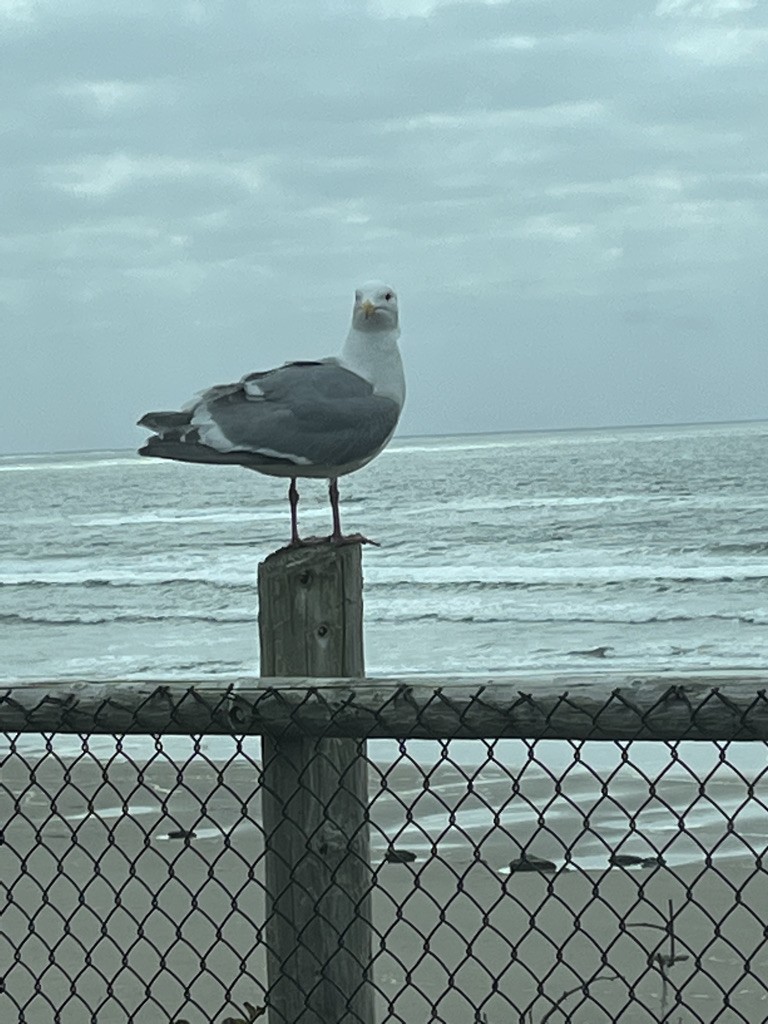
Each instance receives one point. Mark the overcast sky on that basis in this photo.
(568, 195)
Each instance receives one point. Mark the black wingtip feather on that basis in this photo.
(186, 451)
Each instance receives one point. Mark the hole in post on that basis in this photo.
(305, 578)
(322, 631)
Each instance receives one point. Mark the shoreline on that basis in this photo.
(104, 829)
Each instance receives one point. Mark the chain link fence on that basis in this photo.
(146, 872)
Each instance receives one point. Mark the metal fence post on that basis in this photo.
(315, 798)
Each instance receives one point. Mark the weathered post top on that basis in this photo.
(311, 611)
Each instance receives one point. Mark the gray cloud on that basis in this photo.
(570, 198)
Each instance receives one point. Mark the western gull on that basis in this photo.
(319, 419)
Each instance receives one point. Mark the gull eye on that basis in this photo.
(389, 296)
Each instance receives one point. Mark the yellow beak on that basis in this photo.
(368, 308)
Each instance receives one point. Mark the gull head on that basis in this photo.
(375, 307)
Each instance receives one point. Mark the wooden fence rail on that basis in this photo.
(596, 706)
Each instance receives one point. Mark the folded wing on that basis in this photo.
(313, 416)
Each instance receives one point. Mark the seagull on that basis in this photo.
(320, 419)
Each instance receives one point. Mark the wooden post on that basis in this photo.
(315, 798)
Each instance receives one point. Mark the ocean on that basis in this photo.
(634, 549)
(647, 547)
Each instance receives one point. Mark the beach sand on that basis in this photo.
(104, 917)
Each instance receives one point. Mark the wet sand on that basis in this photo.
(129, 924)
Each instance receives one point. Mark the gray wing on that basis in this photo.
(311, 414)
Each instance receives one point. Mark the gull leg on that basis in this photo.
(333, 494)
(293, 498)
(337, 537)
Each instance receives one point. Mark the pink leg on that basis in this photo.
(333, 493)
(293, 498)
(336, 537)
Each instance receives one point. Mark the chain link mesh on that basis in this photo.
(508, 880)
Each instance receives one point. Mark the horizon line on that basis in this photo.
(463, 433)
